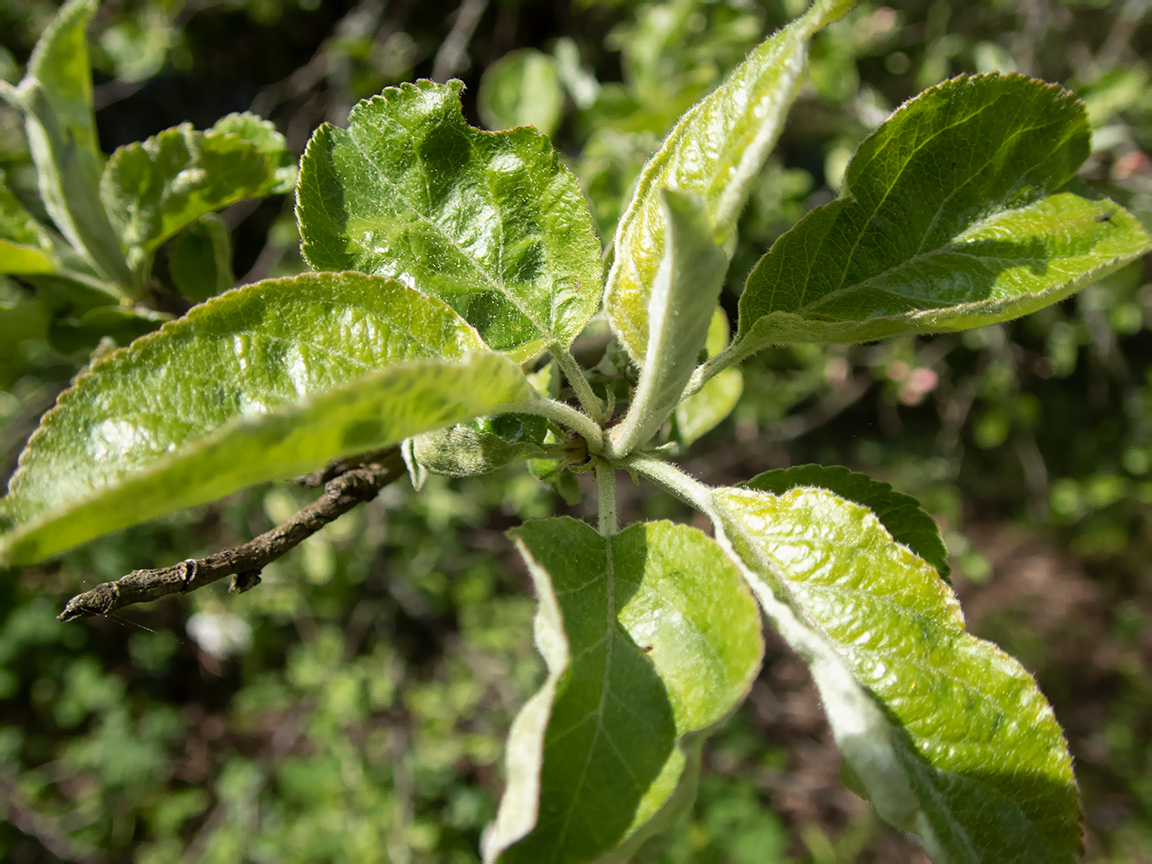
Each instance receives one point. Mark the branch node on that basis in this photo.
(245, 581)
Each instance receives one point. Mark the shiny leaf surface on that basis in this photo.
(263, 382)
(491, 223)
(949, 736)
(715, 151)
(952, 216)
(901, 514)
(650, 639)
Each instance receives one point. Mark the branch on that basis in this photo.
(354, 483)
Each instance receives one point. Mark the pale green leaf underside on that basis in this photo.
(901, 514)
(521, 89)
(154, 188)
(259, 383)
(60, 63)
(684, 295)
(25, 247)
(491, 223)
(657, 640)
(715, 151)
(950, 735)
(951, 217)
(55, 99)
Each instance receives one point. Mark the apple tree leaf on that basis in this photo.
(954, 213)
(651, 639)
(154, 188)
(948, 735)
(901, 514)
(715, 151)
(684, 295)
(263, 382)
(490, 222)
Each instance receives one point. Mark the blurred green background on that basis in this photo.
(352, 707)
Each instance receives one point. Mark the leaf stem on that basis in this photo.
(730, 356)
(606, 497)
(565, 415)
(589, 401)
(673, 480)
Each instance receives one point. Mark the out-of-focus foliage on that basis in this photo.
(320, 717)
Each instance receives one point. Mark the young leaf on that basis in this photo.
(716, 150)
(949, 735)
(263, 382)
(684, 294)
(55, 99)
(950, 218)
(200, 261)
(491, 223)
(651, 639)
(25, 247)
(522, 89)
(60, 63)
(703, 411)
(154, 188)
(901, 514)
(480, 446)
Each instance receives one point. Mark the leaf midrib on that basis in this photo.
(943, 249)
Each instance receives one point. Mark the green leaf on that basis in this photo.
(951, 217)
(901, 514)
(492, 223)
(704, 410)
(651, 640)
(948, 734)
(200, 261)
(684, 294)
(715, 150)
(60, 63)
(522, 89)
(55, 99)
(263, 382)
(154, 188)
(25, 247)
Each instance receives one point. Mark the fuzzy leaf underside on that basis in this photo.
(492, 223)
(684, 295)
(901, 514)
(954, 214)
(715, 151)
(949, 735)
(651, 639)
(260, 383)
(154, 188)
(60, 63)
(55, 99)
